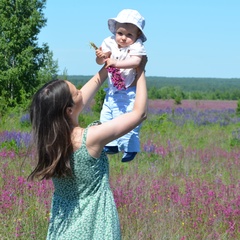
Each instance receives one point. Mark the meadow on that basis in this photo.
(184, 185)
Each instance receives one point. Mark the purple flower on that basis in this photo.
(117, 79)
(16, 139)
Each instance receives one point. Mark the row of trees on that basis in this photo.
(24, 65)
(195, 84)
(184, 88)
(171, 92)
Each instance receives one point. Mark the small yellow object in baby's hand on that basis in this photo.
(93, 45)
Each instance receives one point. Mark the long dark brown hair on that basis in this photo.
(51, 130)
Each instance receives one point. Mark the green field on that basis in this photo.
(183, 185)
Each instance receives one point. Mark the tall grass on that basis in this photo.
(183, 185)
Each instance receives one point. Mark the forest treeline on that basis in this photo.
(185, 88)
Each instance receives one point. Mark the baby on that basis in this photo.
(122, 53)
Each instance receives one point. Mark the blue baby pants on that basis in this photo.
(114, 105)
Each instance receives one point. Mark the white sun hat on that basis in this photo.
(128, 16)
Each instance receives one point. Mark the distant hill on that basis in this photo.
(186, 84)
(195, 84)
(78, 79)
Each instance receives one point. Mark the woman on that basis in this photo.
(82, 206)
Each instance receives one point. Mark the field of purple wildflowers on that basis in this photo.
(184, 185)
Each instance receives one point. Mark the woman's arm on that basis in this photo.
(126, 122)
(92, 86)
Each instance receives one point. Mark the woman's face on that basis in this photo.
(76, 97)
(126, 34)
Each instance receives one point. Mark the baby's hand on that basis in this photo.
(100, 53)
(110, 62)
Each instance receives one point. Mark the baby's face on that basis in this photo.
(126, 34)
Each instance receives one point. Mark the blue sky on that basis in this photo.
(186, 38)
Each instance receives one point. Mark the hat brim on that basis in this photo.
(112, 27)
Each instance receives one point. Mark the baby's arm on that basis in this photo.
(131, 62)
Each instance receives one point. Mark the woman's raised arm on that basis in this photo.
(92, 86)
(106, 132)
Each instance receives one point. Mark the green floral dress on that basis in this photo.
(83, 207)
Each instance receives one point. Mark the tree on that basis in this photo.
(64, 74)
(238, 108)
(99, 99)
(49, 70)
(153, 93)
(20, 56)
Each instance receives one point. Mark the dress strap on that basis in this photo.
(85, 131)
